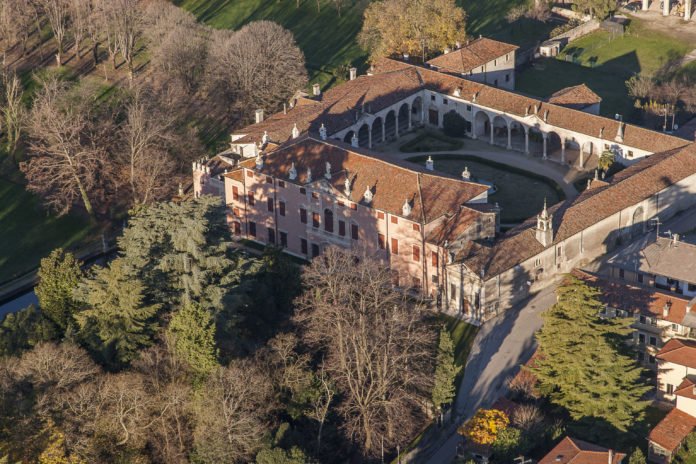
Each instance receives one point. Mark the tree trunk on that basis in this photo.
(95, 52)
(85, 198)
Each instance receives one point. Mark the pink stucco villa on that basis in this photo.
(310, 193)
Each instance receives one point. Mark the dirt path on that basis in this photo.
(670, 25)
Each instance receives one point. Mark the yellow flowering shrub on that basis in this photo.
(484, 426)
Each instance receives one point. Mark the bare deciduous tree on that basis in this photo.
(80, 15)
(640, 86)
(12, 108)
(232, 413)
(64, 156)
(258, 66)
(57, 12)
(181, 54)
(378, 349)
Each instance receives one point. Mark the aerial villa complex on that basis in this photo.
(307, 178)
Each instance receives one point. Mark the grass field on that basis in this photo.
(431, 141)
(520, 194)
(329, 41)
(463, 335)
(28, 233)
(604, 64)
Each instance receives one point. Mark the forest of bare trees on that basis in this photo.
(118, 127)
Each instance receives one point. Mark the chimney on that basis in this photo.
(259, 115)
(406, 56)
(353, 73)
(316, 90)
(675, 240)
(666, 308)
(610, 457)
(446, 51)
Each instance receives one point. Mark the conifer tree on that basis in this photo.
(445, 371)
(179, 252)
(59, 274)
(637, 457)
(194, 338)
(116, 323)
(585, 366)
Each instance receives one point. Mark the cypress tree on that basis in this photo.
(116, 323)
(194, 338)
(59, 274)
(445, 371)
(585, 365)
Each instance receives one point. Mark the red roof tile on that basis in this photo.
(574, 451)
(686, 388)
(577, 97)
(475, 54)
(672, 430)
(677, 351)
(452, 228)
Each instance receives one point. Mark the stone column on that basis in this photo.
(582, 154)
(688, 7)
(369, 138)
(544, 136)
(526, 140)
(396, 128)
(509, 144)
(646, 4)
(410, 114)
(667, 4)
(492, 141)
(384, 131)
(563, 145)
(473, 125)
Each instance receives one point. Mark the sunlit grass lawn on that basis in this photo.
(28, 233)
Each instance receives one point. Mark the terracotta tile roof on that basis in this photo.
(660, 256)
(452, 228)
(521, 105)
(574, 451)
(672, 430)
(392, 182)
(576, 96)
(636, 300)
(686, 388)
(678, 351)
(628, 187)
(475, 54)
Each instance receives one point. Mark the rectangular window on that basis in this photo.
(303, 245)
(235, 211)
(250, 174)
(354, 206)
(691, 287)
(642, 319)
(651, 359)
(380, 241)
(652, 341)
(395, 246)
(315, 250)
(495, 62)
(340, 203)
(315, 195)
(315, 220)
(675, 327)
(328, 221)
(416, 253)
(416, 283)
(237, 228)
(269, 180)
(507, 78)
(303, 190)
(468, 107)
(354, 231)
(507, 57)
(641, 339)
(303, 216)
(495, 83)
(444, 101)
(630, 153)
(281, 208)
(434, 279)
(284, 239)
(252, 229)
(621, 273)
(281, 184)
(453, 292)
(271, 235)
(235, 193)
(342, 228)
(669, 389)
(641, 356)
(251, 198)
(432, 98)
(433, 257)
(380, 215)
(270, 205)
(394, 220)
(416, 227)
(640, 278)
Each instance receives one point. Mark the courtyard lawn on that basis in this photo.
(431, 141)
(28, 233)
(463, 335)
(520, 193)
(604, 64)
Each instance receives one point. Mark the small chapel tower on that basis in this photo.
(544, 229)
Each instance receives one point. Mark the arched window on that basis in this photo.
(328, 220)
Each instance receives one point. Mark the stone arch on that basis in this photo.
(402, 119)
(482, 125)
(390, 125)
(517, 130)
(536, 141)
(364, 136)
(376, 129)
(417, 110)
(553, 146)
(349, 136)
(637, 222)
(500, 130)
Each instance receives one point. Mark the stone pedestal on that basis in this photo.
(646, 4)
(667, 6)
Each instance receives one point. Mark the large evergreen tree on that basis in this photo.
(180, 253)
(445, 371)
(585, 366)
(116, 322)
(194, 338)
(59, 274)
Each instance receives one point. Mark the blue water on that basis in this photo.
(20, 302)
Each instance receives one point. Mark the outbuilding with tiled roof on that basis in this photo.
(574, 451)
